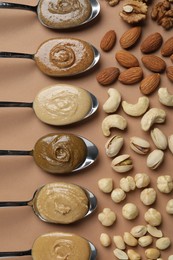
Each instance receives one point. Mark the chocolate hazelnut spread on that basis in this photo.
(62, 104)
(60, 246)
(63, 14)
(64, 56)
(59, 153)
(61, 203)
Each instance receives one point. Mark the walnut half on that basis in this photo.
(134, 11)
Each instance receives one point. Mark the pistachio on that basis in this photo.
(155, 158)
(170, 143)
(122, 163)
(139, 145)
(159, 139)
(138, 231)
(114, 145)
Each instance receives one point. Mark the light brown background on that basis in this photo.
(20, 80)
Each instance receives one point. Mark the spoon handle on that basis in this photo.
(15, 152)
(17, 253)
(5, 54)
(4, 204)
(15, 104)
(18, 6)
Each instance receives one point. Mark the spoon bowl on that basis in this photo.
(55, 153)
(56, 15)
(60, 105)
(34, 253)
(51, 201)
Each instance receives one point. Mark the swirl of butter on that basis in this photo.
(62, 248)
(64, 6)
(62, 56)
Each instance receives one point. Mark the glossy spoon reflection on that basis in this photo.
(60, 105)
(55, 14)
(61, 241)
(59, 203)
(60, 153)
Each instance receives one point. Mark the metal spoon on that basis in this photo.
(57, 190)
(93, 251)
(49, 66)
(95, 10)
(92, 154)
(56, 120)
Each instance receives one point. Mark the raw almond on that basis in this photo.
(108, 75)
(108, 41)
(152, 43)
(131, 76)
(154, 63)
(130, 37)
(126, 59)
(169, 72)
(150, 83)
(167, 48)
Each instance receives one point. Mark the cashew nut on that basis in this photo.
(165, 97)
(113, 102)
(110, 121)
(137, 109)
(154, 115)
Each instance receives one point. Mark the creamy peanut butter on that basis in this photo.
(61, 203)
(60, 246)
(64, 56)
(59, 14)
(62, 104)
(59, 153)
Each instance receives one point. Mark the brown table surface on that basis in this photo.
(20, 80)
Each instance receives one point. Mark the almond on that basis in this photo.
(154, 63)
(169, 72)
(167, 48)
(108, 41)
(126, 59)
(152, 43)
(131, 76)
(171, 57)
(108, 75)
(130, 37)
(150, 83)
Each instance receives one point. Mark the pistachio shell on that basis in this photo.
(139, 145)
(122, 163)
(155, 158)
(113, 145)
(159, 138)
(170, 143)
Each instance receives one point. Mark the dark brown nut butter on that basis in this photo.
(60, 246)
(58, 14)
(59, 153)
(61, 203)
(64, 56)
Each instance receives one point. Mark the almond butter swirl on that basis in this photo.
(63, 13)
(59, 153)
(64, 56)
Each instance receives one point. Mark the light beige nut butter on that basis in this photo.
(61, 203)
(62, 104)
(60, 246)
(59, 153)
(64, 56)
(63, 13)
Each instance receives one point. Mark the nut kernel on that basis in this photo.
(118, 195)
(107, 217)
(153, 217)
(155, 232)
(129, 239)
(142, 180)
(105, 185)
(163, 243)
(105, 240)
(145, 241)
(165, 183)
(127, 184)
(130, 211)
(138, 231)
(148, 196)
(133, 255)
(119, 242)
(169, 206)
(120, 254)
(152, 253)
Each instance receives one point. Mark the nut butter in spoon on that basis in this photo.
(58, 246)
(61, 57)
(60, 105)
(58, 14)
(59, 203)
(60, 153)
